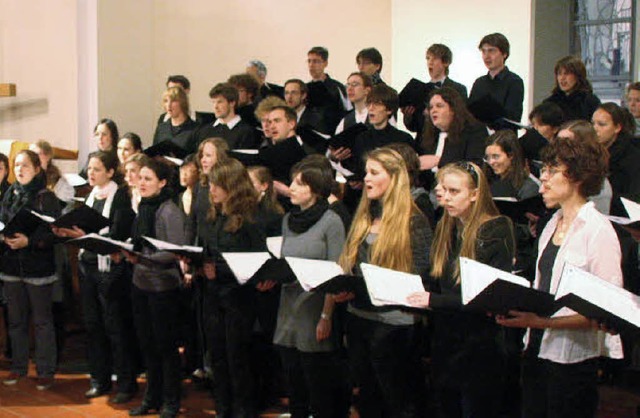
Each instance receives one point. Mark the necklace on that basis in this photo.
(562, 229)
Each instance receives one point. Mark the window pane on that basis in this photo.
(602, 9)
(605, 49)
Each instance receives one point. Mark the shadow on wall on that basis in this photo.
(23, 109)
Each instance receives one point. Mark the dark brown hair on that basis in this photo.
(575, 66)
(586, 159)
(381, 93)
(461, 117)
(315, 171)
(497, 40)
(507, 140)
(444, 53)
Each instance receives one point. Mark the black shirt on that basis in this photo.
(181, 135)
(577, 105)
(545, 266)
(241, 136)
(506, 88)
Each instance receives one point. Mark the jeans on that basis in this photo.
(21, 299)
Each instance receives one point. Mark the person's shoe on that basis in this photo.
(122, 397)
(44, 383)
(12, 379)
(96, 391)
(168, 413)
(141, 410)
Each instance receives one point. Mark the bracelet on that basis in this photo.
(325, 316)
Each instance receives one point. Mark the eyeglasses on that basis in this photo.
(550, 171)
(469, 168)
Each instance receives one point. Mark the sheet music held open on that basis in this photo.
(245, 265)
(312, 273)
(390, 287)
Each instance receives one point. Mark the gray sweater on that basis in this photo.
(299, 311)
(160, 271)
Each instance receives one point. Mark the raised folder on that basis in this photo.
(598, 299)
(347, 138)
(415, 94)
(488, 289)
(516, 209)
(166, 148)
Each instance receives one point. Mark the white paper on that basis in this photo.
(45, 218)
(246, 151)
(74, 179)
(274, 245)
(312, 273)
(601, 293)
(476, 276)
(505, 199)
(163, 245)
(632, 208)
(126, 245)
(390, 287)
(245, 265)
(176, 161)
(340, 169)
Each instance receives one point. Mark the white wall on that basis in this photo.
(143, 41)
(460, 25)
(38, 53)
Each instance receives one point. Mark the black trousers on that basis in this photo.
(317, 384)
(157, 318)
(230, 316)
(554, 390)
(386, 367)
(112, 344)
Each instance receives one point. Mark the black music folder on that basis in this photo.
(100, 245)
(597, 299)
(314, 139)
(24, 222)
(515, 209)
(166, 148)
(415, 94)
(347, 138)
(85, 218)
(487, 289)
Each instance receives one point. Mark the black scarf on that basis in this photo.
(19, 196)
(301, 220)
(145, 224)
(375, 209)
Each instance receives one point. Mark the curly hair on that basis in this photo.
(586, 160)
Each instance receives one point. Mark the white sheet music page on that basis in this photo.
(599, 292)
(245, 265)
(476, 276)
(390, 287)
(274, 245)
(312, 273)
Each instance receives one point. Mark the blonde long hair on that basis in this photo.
(392, 248)
(481, 210)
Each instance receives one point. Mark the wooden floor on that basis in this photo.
(66, 398)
